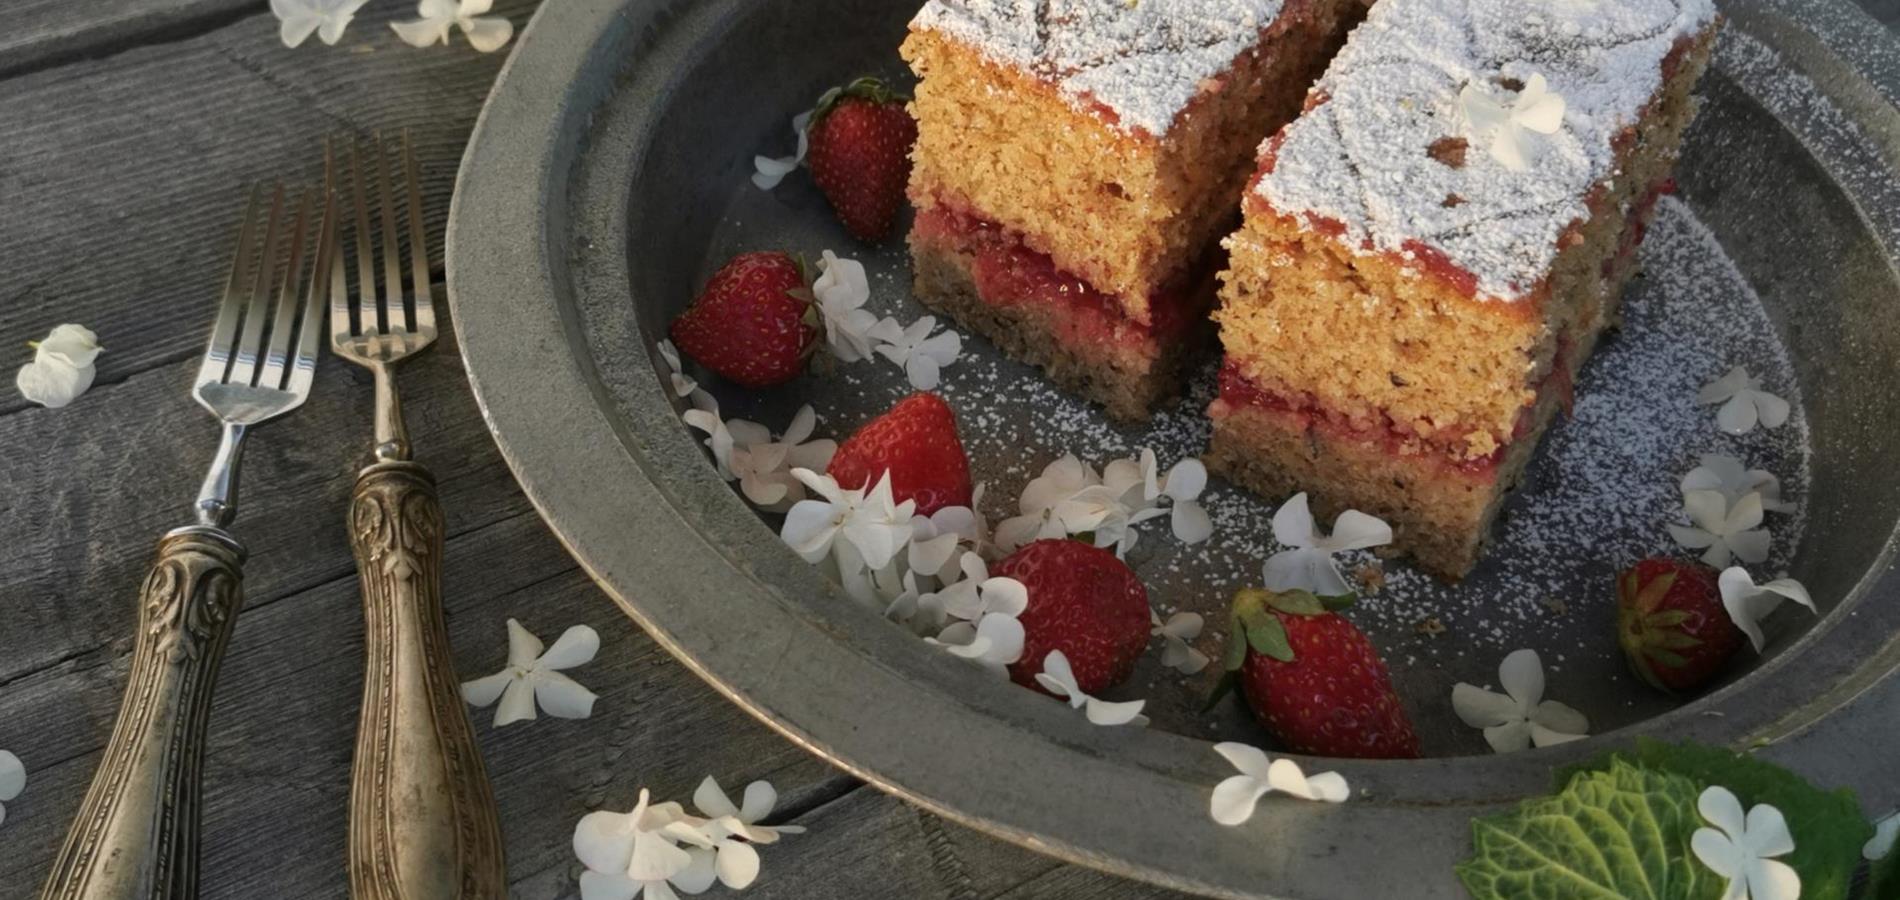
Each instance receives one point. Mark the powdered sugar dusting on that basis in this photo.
(1143, 59)
(1361, 158)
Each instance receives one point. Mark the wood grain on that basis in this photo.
(132, 126)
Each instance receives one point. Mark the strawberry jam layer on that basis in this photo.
(1009, 273)
(1306, 413)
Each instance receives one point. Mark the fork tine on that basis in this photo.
(418, 242)
(368, 310)
(231, 310)
(283, 324)
(250, 340)
(303, 369)
(339, 300)
(392, 257)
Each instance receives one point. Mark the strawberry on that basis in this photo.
(916, 441)
(1671, 623)
(755, 323)
(1313, 679)
(1084, 602)
(860, 139)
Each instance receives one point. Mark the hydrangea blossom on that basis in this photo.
(1308, 566)
(920, 354)
(1235, 798)
(994, 641)
(1742, 848)
(769, 171)
(683, 385)
(1748, 603)
(1058, 678)
(484, 32)
(744, 451)
(734, 829)
(12, 780)
(1175, 633)
(858, 528)
(978, 594)
(1744, 403)
(934, 540)
(1070, 498)
(1519, 717)
(62, 366)
(534, 677)
(298, 19)
(1721, 529)
(1734, 480)
(842, 290)
(638, 853)
(1503, 128)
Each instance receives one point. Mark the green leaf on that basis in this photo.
(1883, 882)
(1268, 638)
(1228, 681)
(1621, 833)
(1666, 619)
(1828, 827)
(1298, 603)
(1338, 602)
(1236, 655)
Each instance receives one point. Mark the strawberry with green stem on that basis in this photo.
(860, 137)
(1671, 624)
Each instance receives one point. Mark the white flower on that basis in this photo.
(1748, 603)
(62, 367)
(1309, 565)
(1535, 108)
(1743, 403)
(769, 172)
(850, 329)
(869, 523)
(1183, 488)
(1723, 529)
(12, 780)
(484, 33)
(921, 355)
(745, 452)
(636, 854)
(533, 677)
(737, 863)
(1059, 481)
(995, 641)
(683, 385)
(1235, 798)
(1520, 716)
(1881, 844)
(978, 594)
(1741, 849)
(922, 610)
(298, 19)
(934, 540)
(1734, 480)
(1057, 678)
(1176, 652)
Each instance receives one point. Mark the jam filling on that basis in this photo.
(1008, 273)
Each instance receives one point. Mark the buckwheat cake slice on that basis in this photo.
(1431, 250)
(1078, 160)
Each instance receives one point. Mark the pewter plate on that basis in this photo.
(608, 177)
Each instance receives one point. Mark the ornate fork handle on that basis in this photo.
(136, 834)
(422, 815)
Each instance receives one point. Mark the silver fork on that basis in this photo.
(136, 833)
(422, 815)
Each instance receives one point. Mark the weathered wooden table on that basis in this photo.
(127, 130)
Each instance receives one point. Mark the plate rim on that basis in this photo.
(508, 269)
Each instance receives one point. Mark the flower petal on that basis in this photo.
(1354, 530)
(1285, 776)
(1772, 410)
(1293, 525)
(1719, 807)
(1105, 712)
(597, 885)
(53, 383)
(1234, 799)
(1717, 852)
(480, 692)
(1190, 522)
(1543, 736)
(1522, 677)
(423, 32)
(517, 703)
(1770, 879)
(523, 647)
(1730, 384)
(561, 696)
(711, 800)
(1750, 546)
(604, 840)
(1480, 708)
(760, 797)
(1186, 480)
(1692, 538)
(1304, 570)
(1559, 718)
(1737, 416)
(738, 865)
(1004, 595)
(811, 526)
(1509, 737)
(1249, 760)
(700, 874)
(1766, 832)
(12, 776)
(574, 647)
(1708, 510)
(1877, 847)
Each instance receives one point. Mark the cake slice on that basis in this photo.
(1077, 162)
(1432, 249)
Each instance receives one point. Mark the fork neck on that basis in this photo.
(217, 498)
(392, 439)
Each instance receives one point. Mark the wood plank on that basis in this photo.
(46, 33)
(123, 185)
